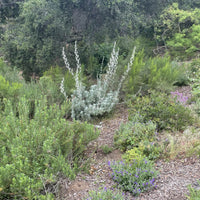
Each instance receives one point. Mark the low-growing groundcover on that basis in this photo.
(106, 194)
(36, 151)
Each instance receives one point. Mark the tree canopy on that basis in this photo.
(33, 32)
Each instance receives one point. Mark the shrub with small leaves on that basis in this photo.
(7, 89)
(158, 73)
(133, 154)
(105, 194)
(133, 132)
(136, 176)
(151, 150)
(162, 109)
(35, 152)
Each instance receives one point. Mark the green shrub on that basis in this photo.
(178, 29)
(44, 87)
(137, 76)
(197, 106)
(133, 132)
(145, 149)
(56, 76)
(106, 149)
(158, 73)
(151, 150)
(105, 194)
(194, 193)
(163, 110)
(195, 78)
(163, 74)
(133, 154)
(8, 90)
(11, 74)
(135, 177)
(36, 152)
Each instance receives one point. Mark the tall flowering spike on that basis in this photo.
(100, 98)
(127, 70)
(78, 71)
(112, 67)
(66, 61)
(62, 89)
(77, 58)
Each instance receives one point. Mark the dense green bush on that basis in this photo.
(36, 152)
(137, 77)
(178, 29)
(133, 132)
(158, 73)
(133, 154)
(8, 90)
(56, 76)
(150, 150)
(11, 74)
(165, 111)
(163, 74)
(45, 86)
(136, 176)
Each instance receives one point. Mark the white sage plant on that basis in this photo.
(100, 98)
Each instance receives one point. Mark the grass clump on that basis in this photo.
(105, 194)
(106, 149)
(194, 194)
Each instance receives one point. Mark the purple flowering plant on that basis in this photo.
(179, 97)
(136, 176)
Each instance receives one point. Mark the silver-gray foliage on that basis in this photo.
(99, 99)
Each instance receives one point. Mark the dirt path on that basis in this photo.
(172, 183)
